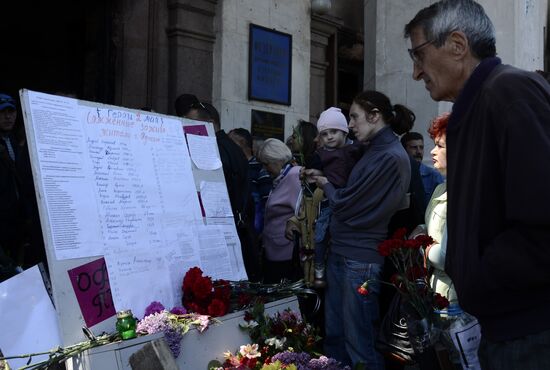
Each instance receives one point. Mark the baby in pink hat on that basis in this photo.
(337, 155)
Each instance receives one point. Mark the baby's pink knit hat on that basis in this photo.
(332, 118)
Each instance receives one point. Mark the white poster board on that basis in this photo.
(28, 320)
(118, 183)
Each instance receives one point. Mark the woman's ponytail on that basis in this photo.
(403, 119)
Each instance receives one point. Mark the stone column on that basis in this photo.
(324, 64)
(191, 39)
(388, 67)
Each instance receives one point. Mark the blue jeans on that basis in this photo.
(351, 319)
(321, 233)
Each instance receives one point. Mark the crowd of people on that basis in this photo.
(485, 202)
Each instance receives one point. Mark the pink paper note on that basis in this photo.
(196, 130)
(93, 292)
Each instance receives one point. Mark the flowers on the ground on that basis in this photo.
(174, 324)
(259, 360)
(280, 331)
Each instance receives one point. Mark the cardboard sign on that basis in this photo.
(93, 291)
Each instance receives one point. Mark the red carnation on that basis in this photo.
(396, 243)
(202, 288)
(440, 301)
(250, 363)
(222, 290)
(363, 289)
(399, 233)
(412, 244)
(424, 240)
(193, 307)
(217, 308)
(244, 299)
(385, 249)
(191, 276)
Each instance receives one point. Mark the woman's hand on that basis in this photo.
(290, 228)
(310, 174)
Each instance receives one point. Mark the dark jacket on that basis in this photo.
(235, 171)
(498, 216)
(19, 221)
(362, 209)
(338, 163)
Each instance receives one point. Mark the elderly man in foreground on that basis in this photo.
(498, 147)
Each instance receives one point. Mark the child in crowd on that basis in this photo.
(337, 156)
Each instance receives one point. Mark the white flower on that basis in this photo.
(278, 343)
(250, 351)
(249, 325)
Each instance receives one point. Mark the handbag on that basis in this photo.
(393, 340)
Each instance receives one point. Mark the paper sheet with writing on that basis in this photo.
(114, 180)
(213, 248)
(28, 319)
(204, 151)
(137, 279)
(215, 199)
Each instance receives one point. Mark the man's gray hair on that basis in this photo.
(274, 150)
(440, 19)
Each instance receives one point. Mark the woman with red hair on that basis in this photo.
(436, 214)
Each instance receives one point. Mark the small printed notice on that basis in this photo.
(93, 291)
(204, 152)
(215, 199)
(220, 252)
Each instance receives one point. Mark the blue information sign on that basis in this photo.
(270, 62)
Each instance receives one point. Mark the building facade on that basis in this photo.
(144, 53)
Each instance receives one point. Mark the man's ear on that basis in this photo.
(458, 44)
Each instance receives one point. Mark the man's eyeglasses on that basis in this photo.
(413, 53)
(197, 105)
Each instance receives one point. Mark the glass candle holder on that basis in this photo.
(126, 324)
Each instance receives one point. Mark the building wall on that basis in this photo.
(230, 83)
(520, 29)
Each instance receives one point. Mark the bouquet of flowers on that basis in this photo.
(204, 296)
(216, 298)
(281, 331)
(411, 278)
(174, 324)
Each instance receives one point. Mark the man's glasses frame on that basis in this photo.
(413, 53)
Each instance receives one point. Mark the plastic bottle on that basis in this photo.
(465, 333)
